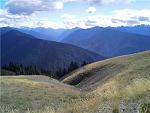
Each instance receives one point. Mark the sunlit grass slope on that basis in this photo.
(117, 85)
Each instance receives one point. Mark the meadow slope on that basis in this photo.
(117, 85)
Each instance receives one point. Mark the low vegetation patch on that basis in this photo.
(145, 108)
(126, 92)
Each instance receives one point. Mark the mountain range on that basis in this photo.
(108, 42)
(36, 46)
(60, 34)
(140, 29)
(22, 48)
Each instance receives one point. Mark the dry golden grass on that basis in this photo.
(128, 85)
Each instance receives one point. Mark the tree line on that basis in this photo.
(20, 69)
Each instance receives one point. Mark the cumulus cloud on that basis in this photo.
(90, 10)
(8, 19)
(127, 22)
(28, 7)
(125, 17)
(71, 21)
(141, 16)
(59, 5)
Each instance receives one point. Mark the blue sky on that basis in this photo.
(74, 13)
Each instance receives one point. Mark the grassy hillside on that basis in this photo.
(117, 85)
(21, 94)
(130, 66)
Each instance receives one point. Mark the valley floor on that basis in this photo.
(128, 91)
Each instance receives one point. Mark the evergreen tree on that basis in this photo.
(84, 63)
(19, 69)
(73, 66)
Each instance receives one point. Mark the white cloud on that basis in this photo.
(8, 19)
(28, 7)
(124, 17)
(105, 2)
(58, 5)
(90, 10)
(133, 15)
(131, 12)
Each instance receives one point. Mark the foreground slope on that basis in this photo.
(96, 73)
(21, 48)
(36, 93)
(124, 87)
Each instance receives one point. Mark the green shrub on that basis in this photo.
(145, 108)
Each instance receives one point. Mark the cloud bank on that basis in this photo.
(125, 17)
(27, 7)
(7, 19)
(26, 13)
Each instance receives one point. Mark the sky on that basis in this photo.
(74, 13)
